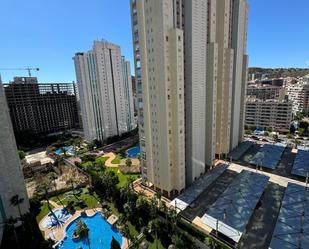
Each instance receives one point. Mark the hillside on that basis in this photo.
(280, 72)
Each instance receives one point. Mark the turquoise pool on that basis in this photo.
(133, 152)
(100, 234)
(68, 149)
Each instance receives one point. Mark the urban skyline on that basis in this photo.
(196, 150)
(268, 44)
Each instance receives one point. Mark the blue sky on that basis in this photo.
(47, 33)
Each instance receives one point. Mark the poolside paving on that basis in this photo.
(58, 233)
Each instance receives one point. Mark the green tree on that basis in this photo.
(129, 162)
(109, 181)
(82, 231)
(153, 227)
(275, 137)
(115, 244)
(21, 154)
(43, 186)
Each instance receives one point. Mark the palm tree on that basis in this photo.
(43, 187)
(129, 162)
(16, 201)
(82, 231)
(126, 232)
(53, 177)
(70, 180)
(64, 151)
(10, 224)
(115, 244)
(153, 226)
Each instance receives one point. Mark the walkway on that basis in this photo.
(280, 180)
(108, 163)
(111, 156)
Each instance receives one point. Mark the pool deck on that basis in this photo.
(58, 233)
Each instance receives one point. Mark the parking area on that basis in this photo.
(263, 220)
(209, 196)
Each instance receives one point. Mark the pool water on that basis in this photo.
(68, 149)
(100, 234)
(57, 218)
(133, 152)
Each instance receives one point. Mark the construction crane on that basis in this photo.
(29, 69)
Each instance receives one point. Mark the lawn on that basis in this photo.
(90, 200)
(123, 177)
(101, 159)
(153, 245)
(117, 159)
(44, 211)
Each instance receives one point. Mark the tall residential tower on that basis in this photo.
(191, 68)
(11, 175)
(105, 90)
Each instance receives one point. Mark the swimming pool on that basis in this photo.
(55, 218)
(68, 149)
(133, 152)
(100, 234)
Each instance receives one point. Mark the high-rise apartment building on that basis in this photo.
(105, 90)
(41, 108)
(191, 71)
(11, 176)
(128, 93)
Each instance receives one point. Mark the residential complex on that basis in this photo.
(11, 176)
(191, 71)
(105, 90)
(41, 108)
(274, 114)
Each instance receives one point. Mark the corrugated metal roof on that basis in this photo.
(292, 227)
(232, 211)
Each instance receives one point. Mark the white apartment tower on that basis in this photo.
(11, 175)
(105, 91)
(191, 68)
(128, 93)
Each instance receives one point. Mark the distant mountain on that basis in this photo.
(280, 72)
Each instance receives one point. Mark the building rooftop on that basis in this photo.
(301, 162)
(292, 227)
(230, 214)
(192, 192)
(268, 156)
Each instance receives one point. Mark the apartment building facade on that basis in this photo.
(266, 92)
(11, 176)
(298, 93)
(105, 91)
(274, 114)
(41, 108)
(191, 68)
